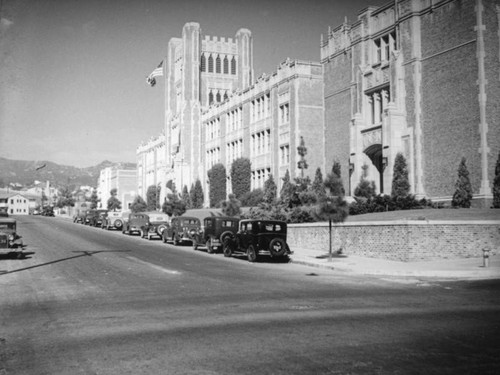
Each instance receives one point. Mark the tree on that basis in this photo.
(365, 188)
(114, 203)
(217, 180)
(336, 169)
(332, 207)
(138, 205)
(334, 185)
(94, 199)
(65, 198)
(463, 193)
(241, 174)
(173, 206)
(288, 191)
(400, 181)
(496, 185)
(186, 197)
(231, 207)
(270, 190)
(152, 198)
(302, 151)
(317, 186)
(196, 194)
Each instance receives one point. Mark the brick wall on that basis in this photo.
(402, 240)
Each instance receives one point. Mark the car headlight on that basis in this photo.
(11, 237)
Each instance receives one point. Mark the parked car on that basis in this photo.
(182, 229)
(256, 237)
(214, 231)
(113, 220)
(48, 211)
(80, 217)
(158, 222)
(89, 216)
(10, 241)
(133, 223)
(97, 219)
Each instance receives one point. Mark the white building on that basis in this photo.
(123, 180)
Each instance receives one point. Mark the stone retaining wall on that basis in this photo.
(406, 240)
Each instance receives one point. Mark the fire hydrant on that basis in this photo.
(486, 257)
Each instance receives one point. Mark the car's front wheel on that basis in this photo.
(118, 224)
(227, 248)
(252, 254)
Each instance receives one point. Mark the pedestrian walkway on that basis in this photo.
(466, 269)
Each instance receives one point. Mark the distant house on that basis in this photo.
(15, 204)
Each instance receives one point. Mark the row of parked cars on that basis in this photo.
(229, 235)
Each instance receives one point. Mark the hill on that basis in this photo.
(25, 173)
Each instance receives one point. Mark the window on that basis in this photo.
(203, 63)
(233, 66)
(377, 103)
(226, 65)
(217, 64)
(383, 47)
(210, 64)
(284, 113)
(210, 98)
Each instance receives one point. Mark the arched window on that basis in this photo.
(226, 65)
(233, 66)
(203, 63)
(217, 97)
(210, 64)
(210, 98)
(225, 96)
(217, 65)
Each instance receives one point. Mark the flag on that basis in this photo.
(158, 72)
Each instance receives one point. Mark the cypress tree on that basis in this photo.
(463, 190)
(241, 174)
(217, 178)
(496, 185)
(400, 181)
(270, 190)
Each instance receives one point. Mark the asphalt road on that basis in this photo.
(88, 301)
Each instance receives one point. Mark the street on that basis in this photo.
(89, 301)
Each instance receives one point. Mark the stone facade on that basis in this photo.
(418, 77)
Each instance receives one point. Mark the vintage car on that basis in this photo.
(48, 211)
(113, 220)
(214, 231)
(80, 217)
(158, 222)
(181, 229)
(94, 217)
(133, 222)
(10, 241)
(256, 237)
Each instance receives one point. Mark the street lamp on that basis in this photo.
(41, 197)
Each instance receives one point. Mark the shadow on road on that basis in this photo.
(83, 254)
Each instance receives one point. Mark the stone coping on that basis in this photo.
(399, 222)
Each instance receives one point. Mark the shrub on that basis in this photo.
(241, 174)
(252, 198)
(217, 178)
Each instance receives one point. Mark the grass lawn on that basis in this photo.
(431, 214)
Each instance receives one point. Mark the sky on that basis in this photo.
(73, 72)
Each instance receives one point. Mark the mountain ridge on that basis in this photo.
(26, 172)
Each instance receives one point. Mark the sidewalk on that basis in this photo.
(462, 269)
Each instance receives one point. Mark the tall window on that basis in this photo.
(203, 63)
(377, 102)
(226, 65)
(210, 64)
(383, 47)
(233, 66)
(217, 64)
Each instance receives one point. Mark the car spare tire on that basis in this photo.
(277, 247)
(118, 224)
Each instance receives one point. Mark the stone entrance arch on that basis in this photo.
(374, 152)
